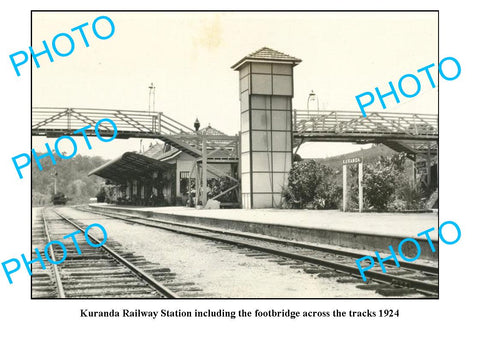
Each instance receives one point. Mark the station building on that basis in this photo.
(157, 176)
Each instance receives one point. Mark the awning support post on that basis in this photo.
(204, 170)
(197, 184)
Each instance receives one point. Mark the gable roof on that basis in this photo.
(127, 166)
(211, 131)
(157, 151)
(267, 54)
(154, 151)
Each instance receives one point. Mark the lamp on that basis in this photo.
(196, 125)
(311, 98)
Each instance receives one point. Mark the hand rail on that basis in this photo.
(350, 122)
(127, 120)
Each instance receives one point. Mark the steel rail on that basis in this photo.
(410, 265)
(137, 271)
(421, 286)
(56, 273)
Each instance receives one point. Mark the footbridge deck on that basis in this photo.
(413, 133)
(407, 132)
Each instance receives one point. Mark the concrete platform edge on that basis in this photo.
(363, 241)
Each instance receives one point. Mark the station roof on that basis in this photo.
(129, 165)
(169, 155)
(210, 131)
(267, 54)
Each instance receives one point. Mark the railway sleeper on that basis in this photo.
(395, 291)
(88, 267)
(44, 295)
(101, 292)
(179, 284)
(39, 284)
(373, 286)
(102, 280)
(105, 273)
(44, 289)
(123, 296)
(109, 285)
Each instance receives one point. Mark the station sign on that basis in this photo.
(352, 160)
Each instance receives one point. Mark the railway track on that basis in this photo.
(104, 272)
(409, 279)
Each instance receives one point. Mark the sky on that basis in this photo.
(188, 57)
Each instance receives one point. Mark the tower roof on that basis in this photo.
(266, 54)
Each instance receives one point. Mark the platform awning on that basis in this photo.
(130, 165)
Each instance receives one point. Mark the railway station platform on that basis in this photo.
(364, 231)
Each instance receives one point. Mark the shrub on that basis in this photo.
(218, 185)
(327, 192)
(397, 205)
(311, 185)
(412, 194)
(108, 193)
(302, 181)
(101, 195)
(387, 187)
(379, 185)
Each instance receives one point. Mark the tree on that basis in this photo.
(72, 178)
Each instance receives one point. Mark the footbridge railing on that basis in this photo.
(352, 126)
(50, 120)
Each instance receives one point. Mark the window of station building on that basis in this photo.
(134, 189)
(184, 175)
(128, 190)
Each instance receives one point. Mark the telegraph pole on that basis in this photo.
(151, 98)
(55, 183)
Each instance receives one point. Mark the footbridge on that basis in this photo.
(415, 134)
(55, 122)
(412, 133)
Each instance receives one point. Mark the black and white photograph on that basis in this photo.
(225, 164)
